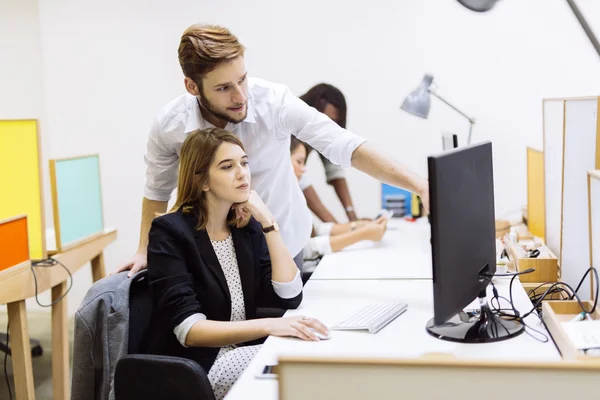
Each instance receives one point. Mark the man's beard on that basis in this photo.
(204, 103)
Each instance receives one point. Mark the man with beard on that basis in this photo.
(263, 115)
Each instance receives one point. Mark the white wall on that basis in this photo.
(20, 60)
(21, 83)
(109, 66)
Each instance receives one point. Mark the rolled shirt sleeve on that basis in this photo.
(323, 229)
(162, 166)
(181, 331)
(318, 130)
(288, 290)
(332, 171)
(304, 182)
(316, 247)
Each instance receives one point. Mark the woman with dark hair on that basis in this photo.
(330, 101)
(330, 237)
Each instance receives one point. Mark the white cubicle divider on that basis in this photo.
(580, 154)
(553, 122)
(594, 207)
(324, 378)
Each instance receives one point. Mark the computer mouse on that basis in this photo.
(320, 335)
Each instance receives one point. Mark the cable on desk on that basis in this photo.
(573, 294)
(537, 298)
(5, 364)
(49, 263)
(591, 269)
(515, 316)
(555, 287)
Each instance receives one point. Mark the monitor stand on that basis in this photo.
(476, 327)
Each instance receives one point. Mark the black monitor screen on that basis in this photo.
(463, 238)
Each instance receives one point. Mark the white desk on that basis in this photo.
(332, 301)
(404, 253)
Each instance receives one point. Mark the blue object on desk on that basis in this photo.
(396, 199)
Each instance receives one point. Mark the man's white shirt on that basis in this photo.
(274, 114)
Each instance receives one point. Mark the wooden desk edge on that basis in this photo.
(74, 245)
(18, 284)
(441, 360)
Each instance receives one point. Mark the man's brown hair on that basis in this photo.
(203, 47)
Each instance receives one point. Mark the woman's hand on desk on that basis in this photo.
(374, 230)
(297, 327)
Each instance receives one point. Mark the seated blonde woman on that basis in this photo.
(331, 237)
(215, 258)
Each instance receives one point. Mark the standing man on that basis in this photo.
(263, 115)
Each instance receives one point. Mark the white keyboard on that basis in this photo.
(372, 318)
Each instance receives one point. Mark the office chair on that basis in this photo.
(147, 376)
(36, 346)
(150, 377)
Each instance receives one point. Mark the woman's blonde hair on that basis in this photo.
(197, 154)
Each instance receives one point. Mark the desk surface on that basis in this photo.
(405, 245)
(17, 283)
(332, 301)
(51, 239)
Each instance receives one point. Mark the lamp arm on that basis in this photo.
(584, 25)
(471, 120)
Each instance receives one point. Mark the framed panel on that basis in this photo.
(76, 199)
(580, 155)
(20, 179)
(553, 126)
(536, 212)
(14, 242)
(594, 223)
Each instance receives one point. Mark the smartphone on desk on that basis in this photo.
(385, 213)
(267, 372)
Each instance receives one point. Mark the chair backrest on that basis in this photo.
(149, 377)
(140, 312)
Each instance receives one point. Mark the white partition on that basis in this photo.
(579, 156)
(594, 206)
(553, 113)
(434, 377)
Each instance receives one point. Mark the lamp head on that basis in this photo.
(419, 101)
(478, 5)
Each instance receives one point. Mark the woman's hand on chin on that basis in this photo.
(256, 207)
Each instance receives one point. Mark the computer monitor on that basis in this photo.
(449, 141)
(463, 243)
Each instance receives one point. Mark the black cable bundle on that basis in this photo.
(555, 287)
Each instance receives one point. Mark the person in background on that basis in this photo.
(330, 101)
(331, 237)
(216, 257)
